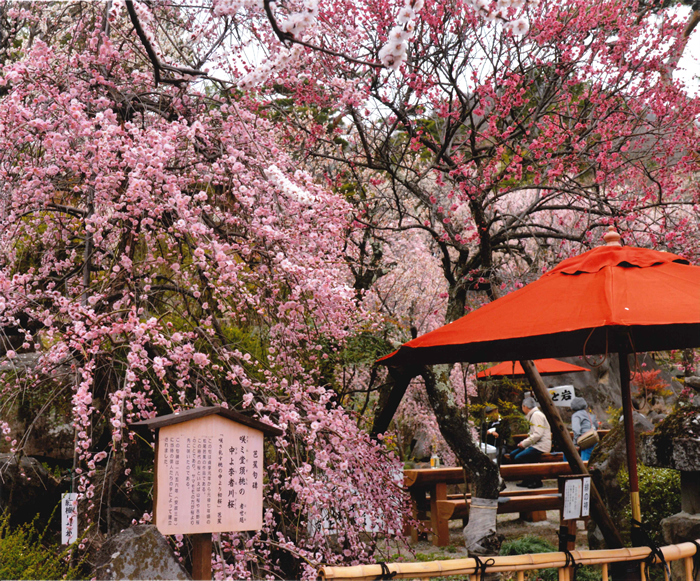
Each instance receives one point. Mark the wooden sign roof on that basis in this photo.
(187, 415)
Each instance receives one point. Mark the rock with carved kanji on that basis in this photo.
(139, 552)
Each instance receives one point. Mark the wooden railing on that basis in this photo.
(518, 564)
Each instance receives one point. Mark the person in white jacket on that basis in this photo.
(538, 441)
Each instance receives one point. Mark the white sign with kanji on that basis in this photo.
(586, 503)
(573, 495)
(562, 395)
(209, 477)
(69, 518)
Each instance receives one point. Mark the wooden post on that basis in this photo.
(600, 514)
(401, 376)
(688, 565)
(567, 531)
(201, 556)
(440, 526)
(628, 414)
(534, 516)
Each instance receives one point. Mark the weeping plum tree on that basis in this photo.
(509, 147)
(161, 250)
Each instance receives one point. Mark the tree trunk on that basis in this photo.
(480, 533)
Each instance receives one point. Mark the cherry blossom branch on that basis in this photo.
(153, 57)
(288, 37)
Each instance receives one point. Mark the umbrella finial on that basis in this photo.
(612, 238)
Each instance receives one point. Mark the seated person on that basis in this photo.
(538, 442)
(494, 430)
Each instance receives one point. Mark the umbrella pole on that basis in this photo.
(628, 413)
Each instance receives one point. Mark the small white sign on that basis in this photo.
(562, 395)
(573, 492)
(586, 506)
(69, 518)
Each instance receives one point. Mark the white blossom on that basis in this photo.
(406, 14)
(519, 27)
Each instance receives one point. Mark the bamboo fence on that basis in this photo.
(517, 563)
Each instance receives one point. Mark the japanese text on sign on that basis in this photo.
(573, 493)
(562, 395)
(209, 477)
(586, 502)
(69, 518)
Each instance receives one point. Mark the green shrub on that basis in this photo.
(659, 497)
(531, 544)
(534, 544)
(24, 556)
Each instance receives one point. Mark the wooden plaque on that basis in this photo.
(209, 477)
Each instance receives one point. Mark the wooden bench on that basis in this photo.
(551, 457)
(520, 437)
(428, 486)
(508, 502)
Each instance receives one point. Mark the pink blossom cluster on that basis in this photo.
(176, 257)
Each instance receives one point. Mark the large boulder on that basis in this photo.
(139, 552)
(41, 422)
(674, 444)
(608, 458)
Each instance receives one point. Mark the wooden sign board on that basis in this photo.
(209, 477)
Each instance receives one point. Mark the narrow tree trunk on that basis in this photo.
(480, 533)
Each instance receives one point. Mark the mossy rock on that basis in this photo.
(674, 442)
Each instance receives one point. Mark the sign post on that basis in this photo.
(208, 476)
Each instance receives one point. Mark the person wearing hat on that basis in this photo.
(490, 426)
(538, 441)
(581, 422)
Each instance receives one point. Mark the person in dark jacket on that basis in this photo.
(495, 431)
(581, 422)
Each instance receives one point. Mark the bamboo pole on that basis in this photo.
(604, 571)
(688, 562)
(518, 563)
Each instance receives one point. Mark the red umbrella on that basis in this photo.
(608, 300)
(544, 366)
